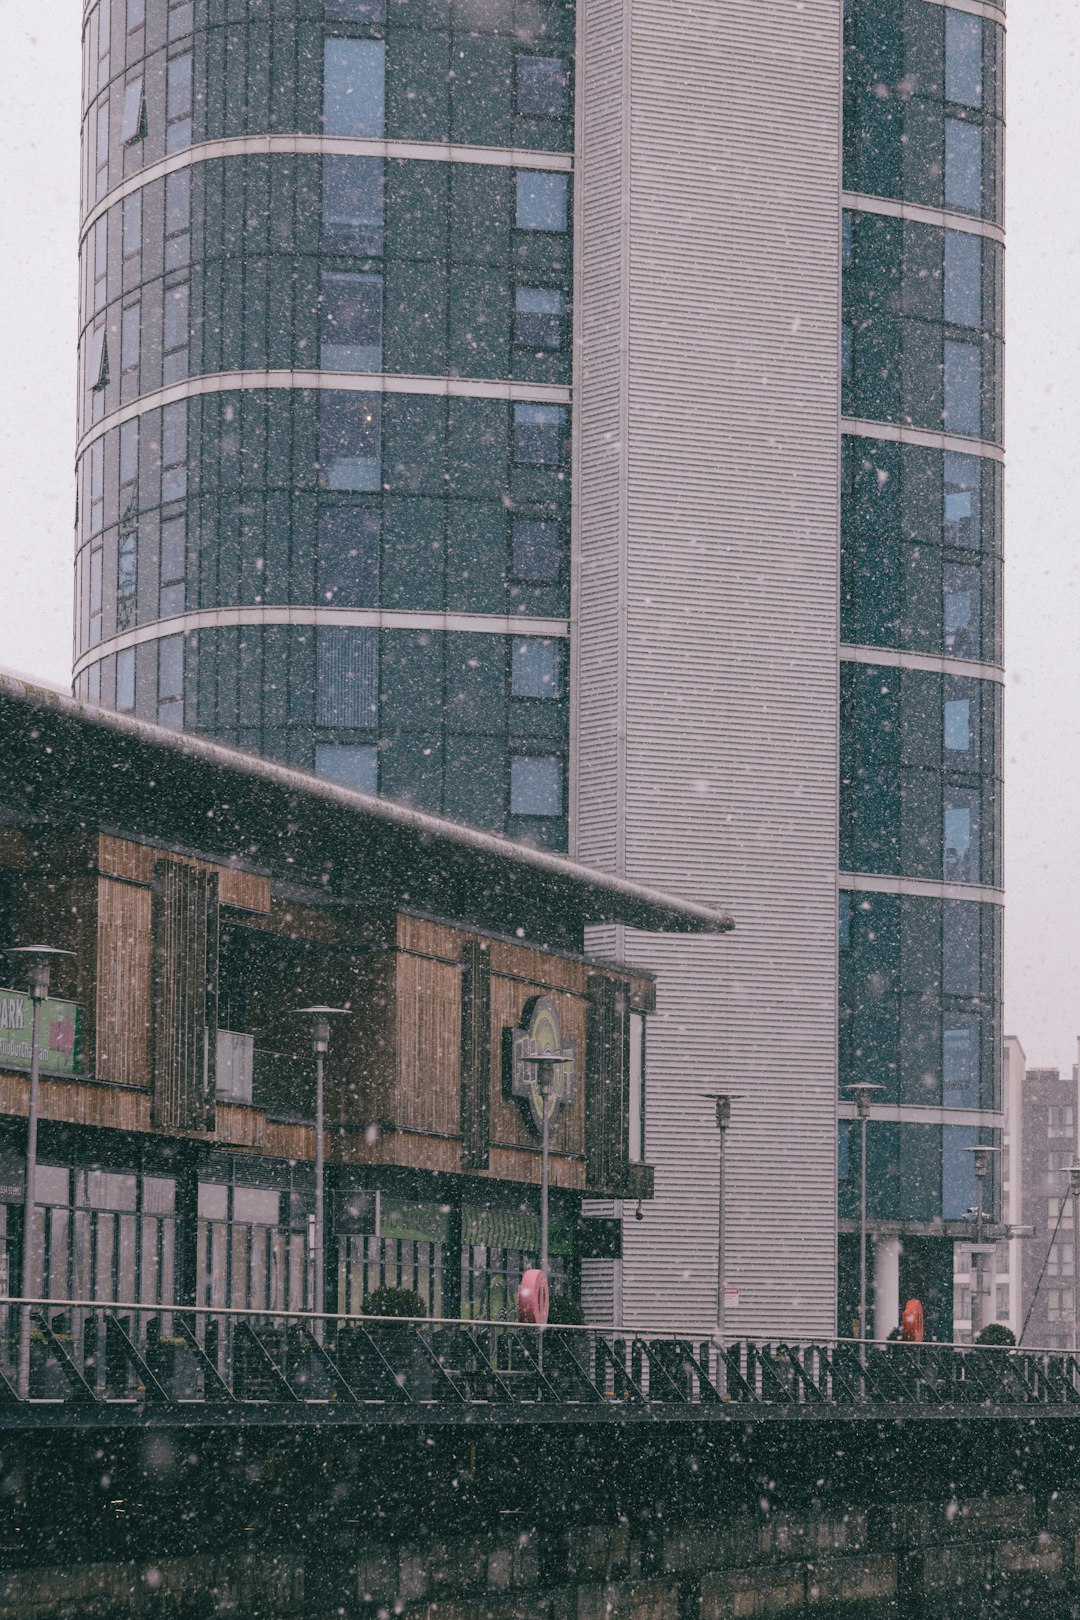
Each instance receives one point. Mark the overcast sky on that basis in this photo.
(39, 53)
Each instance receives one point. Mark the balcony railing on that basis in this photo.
(112, 1361)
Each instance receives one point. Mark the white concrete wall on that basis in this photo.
(705, 612)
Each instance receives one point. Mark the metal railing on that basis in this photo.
(114, 1356)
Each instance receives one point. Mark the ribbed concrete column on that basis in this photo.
(886, 1286)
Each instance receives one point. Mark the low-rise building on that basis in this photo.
(205, 896)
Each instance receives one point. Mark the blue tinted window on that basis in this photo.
(354, 83)
(960, 1061)
(962, 475)
(960, 948)
(535, 786)
(960, 852)
(353, 766)
(347, 677)
(351, 307)
(535, 668)
(541, 201)
(352, 215)
(178, 103)
(958, 725)
(349, 557)
(537, 548)
(963, 166)
(963, 278)
(350, 441)
(538, 317)
(125, 679)
(961, 589)
(963, 389)
(958, 1189)
(170, 706)
(538, 431)
(963, 58)
(541, 86)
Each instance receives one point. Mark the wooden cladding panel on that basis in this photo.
(77, 1103)
(120, 857)
(509, 1126)
(475, 1054)
(123, 983)
(515, 1164)
(185, 938)
(429, 938)
(428, 1045)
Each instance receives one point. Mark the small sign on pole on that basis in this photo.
(731, 1296)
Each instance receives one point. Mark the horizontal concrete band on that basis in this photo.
(505, 157)
(891, 658)
(874, 883)
(357, 382)
(911, 1114)
(492, 624)
(977, 8)
(900, 433)
(941, 217)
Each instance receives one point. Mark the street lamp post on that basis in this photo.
(319, 1019)
(723, 1101)
(981, 1154)
(863, 1092)
(1074, 1188)
(546, 1067)
(38, 960)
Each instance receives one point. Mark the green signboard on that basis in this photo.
(58, 1033)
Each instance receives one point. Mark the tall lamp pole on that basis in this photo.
(546, 1070)
(723, 1101)
(1074, 1188)
(38, 960)
(863, 1092)
(319, 1018)
(981, 1155)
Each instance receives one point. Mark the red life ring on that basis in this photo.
(533, 1298)
(911, 1323)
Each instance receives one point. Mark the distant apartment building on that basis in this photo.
(1044, 1146)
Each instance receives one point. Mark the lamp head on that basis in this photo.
(723, 1101)
(37, 961)
(1074, 1180)
(546, 1063)
(981, 1154)
(863, 1092)
(319, 1019)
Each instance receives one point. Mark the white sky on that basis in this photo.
(39, 53)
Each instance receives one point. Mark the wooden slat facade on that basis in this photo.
(414, 1076)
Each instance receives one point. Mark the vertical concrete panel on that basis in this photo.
(707, 532)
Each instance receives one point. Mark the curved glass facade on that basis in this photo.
(920, 726)
(324, 389)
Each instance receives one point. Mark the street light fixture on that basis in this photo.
(723, 1101)
(320, 1019)
(38, 961)
(546, 1070)
(863, 1093)
(981, 1154)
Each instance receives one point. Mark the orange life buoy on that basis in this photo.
(911, 1323)
(533, 1298)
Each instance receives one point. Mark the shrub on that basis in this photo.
(996, 1333)
(565, 1312)
(394, 1302)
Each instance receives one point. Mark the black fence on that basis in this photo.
(120, 1362)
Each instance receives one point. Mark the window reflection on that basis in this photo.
(961, 525)
(963, 278)
(961, 589)
(352, 218)
(963, 389)
(960, 1061)
(963, 58)
(354, 81)
(960, 849)
(351, 322)
(963, 166)
(350, 441)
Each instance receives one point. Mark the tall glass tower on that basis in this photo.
(588, 425)
(920, 629)
(324, 425)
